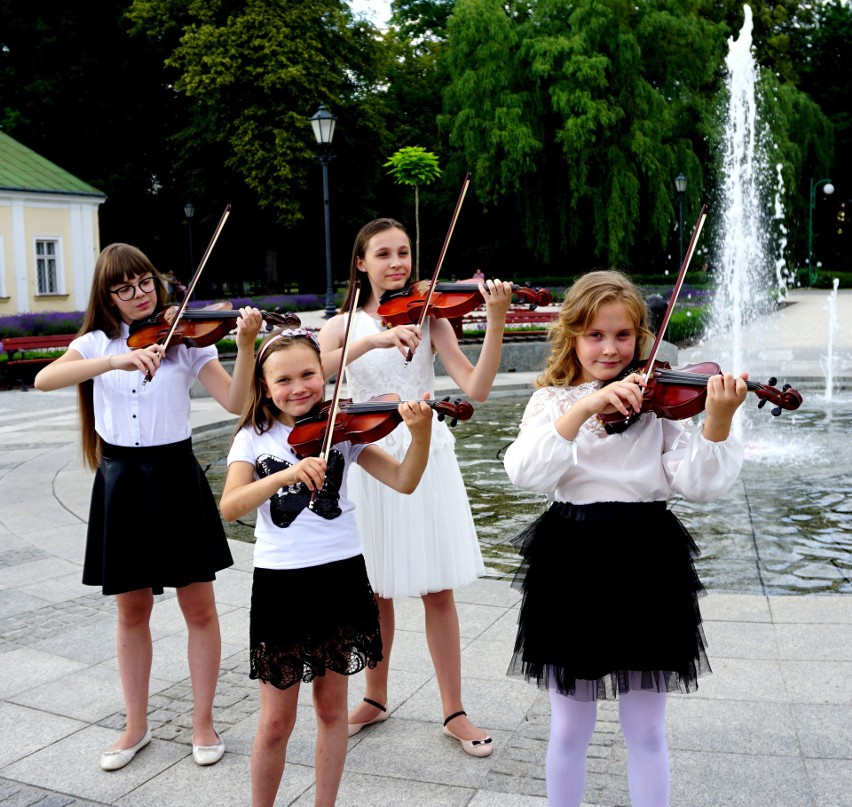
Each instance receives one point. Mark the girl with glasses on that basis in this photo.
(145, 532)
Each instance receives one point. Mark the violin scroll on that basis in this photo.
(458, 410)
(785, 398)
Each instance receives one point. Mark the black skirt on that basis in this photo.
(610, 601)
(307, 621)
(153, 521)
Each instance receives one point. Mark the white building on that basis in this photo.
(49, 235)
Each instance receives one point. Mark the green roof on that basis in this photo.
(21, 169)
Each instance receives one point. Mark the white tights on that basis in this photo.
(642, 715)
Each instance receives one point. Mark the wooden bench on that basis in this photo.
(514, 317)
(14, 345)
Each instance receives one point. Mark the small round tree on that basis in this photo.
(414, 166)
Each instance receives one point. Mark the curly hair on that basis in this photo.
(580, 307)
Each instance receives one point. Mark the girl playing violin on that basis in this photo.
(424, 545)
(608, 554)
(145, 533)
(313, 617)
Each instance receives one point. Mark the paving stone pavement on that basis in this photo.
(771, 727)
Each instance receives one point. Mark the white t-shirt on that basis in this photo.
(653, 460)
(289, 534)
(130, 413)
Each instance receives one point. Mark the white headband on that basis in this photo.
(293, 333)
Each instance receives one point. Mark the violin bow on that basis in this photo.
(437, 271)
(693, 241)
(334, 408)
(193, 283)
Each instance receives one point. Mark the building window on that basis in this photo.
(47, 270)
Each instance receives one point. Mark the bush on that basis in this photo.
(51, 322)
(41, 324)
(687, 325)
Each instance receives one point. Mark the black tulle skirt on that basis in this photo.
(153, 521)
(307, 621)
(610, 601)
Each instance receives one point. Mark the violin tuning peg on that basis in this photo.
(785, 387)
(454, 422)
(441, 416)
(762, 403)
(445, 400)
(777, 411)
(533, 306)
(772, 381)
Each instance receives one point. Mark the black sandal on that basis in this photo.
(476, 748)
(354, 728)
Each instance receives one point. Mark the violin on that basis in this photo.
(363, 422)
(198, 327)
(448, 301)
(680, 394)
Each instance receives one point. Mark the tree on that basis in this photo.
(582, 112)
(414, 166)
(80, 92)
(255, 70)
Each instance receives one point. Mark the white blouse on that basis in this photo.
(130, 413)
(652, 460)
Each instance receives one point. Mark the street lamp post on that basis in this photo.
(189, 212)
(680, 184)
(827, 190)
(323, 122)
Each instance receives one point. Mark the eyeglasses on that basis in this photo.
(128, 292)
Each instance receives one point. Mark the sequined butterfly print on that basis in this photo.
(287, 502)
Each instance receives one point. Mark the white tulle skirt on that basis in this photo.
(422, 543)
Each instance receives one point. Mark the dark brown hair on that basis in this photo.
(116, 264)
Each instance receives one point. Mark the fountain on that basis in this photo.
(741, 271)
(833, 329)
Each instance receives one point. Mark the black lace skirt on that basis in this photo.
(153, 521)
(307, 621)
(610, 601)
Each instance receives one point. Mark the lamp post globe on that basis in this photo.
(680, 186)
(323, 123)
(189, 212)
(827, 190)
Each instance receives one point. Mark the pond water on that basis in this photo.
(784, 528)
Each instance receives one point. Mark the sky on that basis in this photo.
(378, 11)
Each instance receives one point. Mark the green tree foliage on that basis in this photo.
(255, 70)
(413, 166)
(824, 60)
(77, 90)
(584, 111)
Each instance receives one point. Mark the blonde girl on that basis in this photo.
(610, 603)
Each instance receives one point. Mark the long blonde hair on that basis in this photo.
(116, 264)
(581, 305)
(259, 410)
